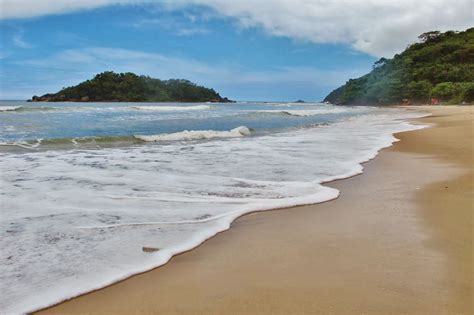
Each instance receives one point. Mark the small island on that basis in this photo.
(128, 87)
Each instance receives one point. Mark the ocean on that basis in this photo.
(92, 193)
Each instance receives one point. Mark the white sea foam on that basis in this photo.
(9, 108)
(309, 112)
(172, 108)
(74, 221)
(189, 135)
(23, 144)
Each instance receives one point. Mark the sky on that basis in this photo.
(261, 50)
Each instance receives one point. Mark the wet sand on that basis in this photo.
(397, 241)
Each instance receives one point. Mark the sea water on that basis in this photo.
(93, 193)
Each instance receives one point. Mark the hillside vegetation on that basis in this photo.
(129, 87)
(440, 66)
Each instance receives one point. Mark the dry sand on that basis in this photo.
(397, 241)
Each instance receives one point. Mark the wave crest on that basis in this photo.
(9, 108)
(304, 112)
(21, 109)
(172, 108)
(189, 135)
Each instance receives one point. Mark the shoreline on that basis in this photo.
(91, 302)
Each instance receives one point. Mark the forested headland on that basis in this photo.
(440, 66)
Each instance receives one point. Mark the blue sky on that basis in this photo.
(243, 54)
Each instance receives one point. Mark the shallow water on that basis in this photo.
(84, 187)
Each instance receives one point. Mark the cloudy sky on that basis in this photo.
(245, 49)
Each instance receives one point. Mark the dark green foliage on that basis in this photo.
(441, 65)
(444, 90)
(469, 93)
(419, 91)
(128, 87)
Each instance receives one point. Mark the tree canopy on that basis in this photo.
(441, 65)
(128, 87)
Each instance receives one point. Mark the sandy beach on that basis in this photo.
(397, 241)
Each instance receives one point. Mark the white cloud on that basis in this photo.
(192, 31)
(379, 28)
(172, 26)
(11, 9)
(20, 42)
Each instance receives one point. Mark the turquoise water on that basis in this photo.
(28, 122)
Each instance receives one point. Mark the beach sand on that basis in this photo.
(397, 241)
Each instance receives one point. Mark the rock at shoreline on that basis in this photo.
(150, 249)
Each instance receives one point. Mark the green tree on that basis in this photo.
(445, 91)
(419, 91)
(468, 95)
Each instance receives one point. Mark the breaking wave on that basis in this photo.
(305, 112)
(107, 141)
(79, 142)
(9, 108)
(189, 135)
(21, 109)
(172, 108)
